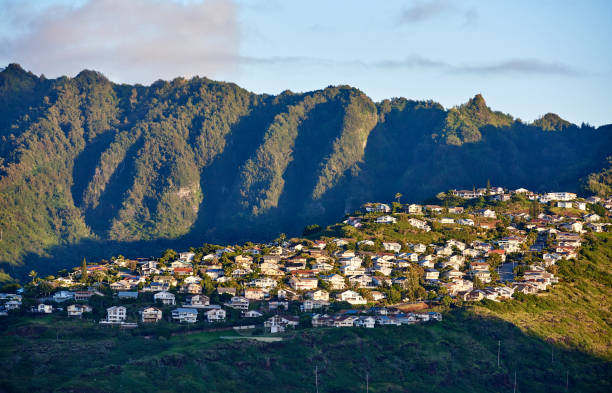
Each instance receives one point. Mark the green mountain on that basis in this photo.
(93, 168)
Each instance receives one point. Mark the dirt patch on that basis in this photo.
(412, 307)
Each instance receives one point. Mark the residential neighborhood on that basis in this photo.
(492, 245)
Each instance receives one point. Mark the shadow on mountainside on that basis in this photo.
(459, 354)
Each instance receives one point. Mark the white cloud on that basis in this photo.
(128, 40)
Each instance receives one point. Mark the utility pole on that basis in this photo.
(566, 380)
(498, 351)
(317, 378)
(552, 354)
(514, 381)
(367, 383)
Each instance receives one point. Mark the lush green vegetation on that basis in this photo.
(91, 168)
(456, 355)
(575, 314)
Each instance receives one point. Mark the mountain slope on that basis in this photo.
(92, 167)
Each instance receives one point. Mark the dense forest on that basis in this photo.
(93, 168)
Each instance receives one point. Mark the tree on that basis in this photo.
(446, 301)
(398, 196)
(33, 275)
(488, 186)
(84, 275)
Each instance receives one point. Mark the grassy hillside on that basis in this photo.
(575, 314)
(556, 341)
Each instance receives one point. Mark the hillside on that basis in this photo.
(555, 341)
(89, 167)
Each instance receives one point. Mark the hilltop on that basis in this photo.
(90, 167)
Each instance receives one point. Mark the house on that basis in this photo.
(43, 308)
(487, 213)
(386, 220)
(318, 295)
(560, 196)
(303, 284)
(226, 290)
(77, 310)
(216, 315)
(12, 305)
(278, 323)
(419, 248)
(414, 209)
(85, 295)
(434, 208)
(254, 294)
(336, 281)
(574, 226)
(275, 305)
(166, 298)
(456, 210)
(192, 280)
(474, 296)
(446, 220)
(192, 289)
(361, 281)
(351, 297)
(391, 246)
(188, 315)
(186, 256)
(127, 295)
(467, 194)
(592, 217)
(171, 281)
(62, 296)
(252, 314)
(151, 315)
(465, 221)
(197, 301)
(309, 305)
(366, 322)
(377, 208)
(285, 293)
(431, 274)
(565, 205)
(265, 282)
(420, 224)
(116, 314)
(238, 303)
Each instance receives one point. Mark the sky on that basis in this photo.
(526, 58)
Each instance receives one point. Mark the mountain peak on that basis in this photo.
(552, 122)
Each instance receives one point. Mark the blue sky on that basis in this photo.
(525, 57)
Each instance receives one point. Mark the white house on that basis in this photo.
(303, 283)
(216, 315)
(391, 246)
(198, 301)
(77, 310)
(336, 281)
(151, 315)
(189, 315)
(44, 308)
(318, 295)
(116, 314)
(278, 323)
(239, 303)
(351, 297)
(62, 296)
(366, 322)
(166, 298)
(386, 220)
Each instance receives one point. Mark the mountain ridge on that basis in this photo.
(191, 160)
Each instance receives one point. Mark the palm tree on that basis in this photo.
(33, 275)
(398, 196)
